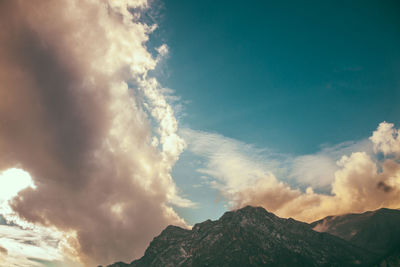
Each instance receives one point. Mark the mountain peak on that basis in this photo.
(378, 231)
(248, 212)
(252, 209)
(249, 236)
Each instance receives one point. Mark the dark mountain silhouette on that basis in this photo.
(250, 237)
(377, 231)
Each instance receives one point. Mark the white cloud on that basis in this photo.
(386, 139)
(318, 169)
(30, 245)
(232, 163)
(244, 175)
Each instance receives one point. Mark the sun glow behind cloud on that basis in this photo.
(12, 181)
(77, 94)
(22, 243)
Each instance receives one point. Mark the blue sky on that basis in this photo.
(287, 76)
(291, 75)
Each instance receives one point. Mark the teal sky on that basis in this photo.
(289, 76)
(284, 75)
(292, 75)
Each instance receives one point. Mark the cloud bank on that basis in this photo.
(76, 113)
(30, 247)
(358, 181)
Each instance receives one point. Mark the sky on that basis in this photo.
(118, 118)
(290, 77)
(294, 75)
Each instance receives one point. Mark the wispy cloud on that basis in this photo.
(18, 246)
(355, 179)
(234, 163)
(318, 169)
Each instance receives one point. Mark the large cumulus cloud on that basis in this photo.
(76, 109)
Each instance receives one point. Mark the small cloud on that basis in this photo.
(386, 188)
(162, 50)
(3, 251)
(386, 139)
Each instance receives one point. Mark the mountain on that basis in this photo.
(250, 236)
(377, 231)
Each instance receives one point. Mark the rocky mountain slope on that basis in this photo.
(377, 231)
(250, 237)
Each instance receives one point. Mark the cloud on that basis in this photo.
(318, 169)
(234, 163)
(23, 244)
(245, 176)
(3, 254)
(80, 114)
(3, 251)
(12, 181)
(386, 139)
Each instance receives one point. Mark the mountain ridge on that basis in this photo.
(377, 231)
(250, 236)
